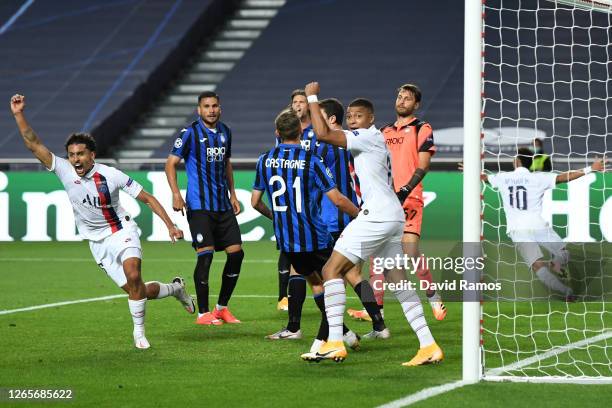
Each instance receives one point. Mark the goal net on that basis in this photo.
(547, 74)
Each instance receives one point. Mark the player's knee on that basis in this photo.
(234, 261)
(328, 272)
(202, 269)
(236, 256)
(537, 265)
(317, 289)
(562, 257)
(314, 279)
(353, 277)
(134, 279)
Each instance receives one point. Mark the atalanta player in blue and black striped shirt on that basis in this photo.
(339, 161)
(299, 105)
(295, 180)
(212, 206)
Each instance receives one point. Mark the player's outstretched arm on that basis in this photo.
(320, 126)
(178, 204)
(157, 208)
(342, 202)
(31, 139)
(259, 205)
(597, 165)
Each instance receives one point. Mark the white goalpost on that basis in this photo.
(472, 88)
(538, 69)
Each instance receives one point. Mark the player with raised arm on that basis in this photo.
(212, 206)
(377, 230)
(295, 180)
(522, 193)
(93, 190)
(339, 160)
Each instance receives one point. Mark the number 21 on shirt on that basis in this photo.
(297, 186)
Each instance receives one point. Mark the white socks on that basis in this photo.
(552, 282)
(166, 289)
(335, 300)
(137, 309)
(413, 310)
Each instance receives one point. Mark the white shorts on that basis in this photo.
(362, 238)
(528, 243)
(111, 251)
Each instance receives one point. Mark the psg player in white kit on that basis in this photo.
(377, 230)
(522, 192)
(93, 190)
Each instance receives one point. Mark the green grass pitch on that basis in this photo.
(88, 346)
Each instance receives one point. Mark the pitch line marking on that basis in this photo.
(266, 261)
(69, 302)
(423, 395)
(101, 298)
(550, 353)
(495, 372)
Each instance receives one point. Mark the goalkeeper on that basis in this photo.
(522, 192)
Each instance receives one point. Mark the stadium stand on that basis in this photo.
(81, 62)
(385, 44)
(217, 56)
(130, 71)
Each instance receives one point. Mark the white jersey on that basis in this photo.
(373, 168)
(95, 198)
(522, 193)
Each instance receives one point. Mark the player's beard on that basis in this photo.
(403, 112)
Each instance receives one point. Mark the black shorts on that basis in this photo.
(213, 228)
(306, 263)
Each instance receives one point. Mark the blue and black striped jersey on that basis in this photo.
(338, 160)
(205, 152)
(294, 180)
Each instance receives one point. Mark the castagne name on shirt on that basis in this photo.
(279, 163)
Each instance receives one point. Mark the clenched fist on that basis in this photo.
(17, 104)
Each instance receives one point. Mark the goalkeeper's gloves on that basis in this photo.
(404, 191)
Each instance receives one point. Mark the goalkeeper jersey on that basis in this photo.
(405, 143)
